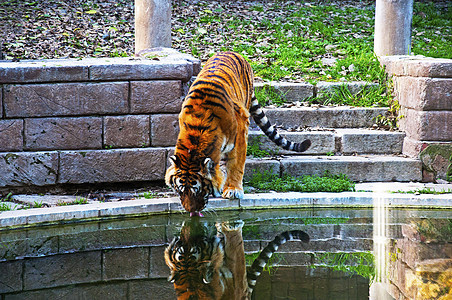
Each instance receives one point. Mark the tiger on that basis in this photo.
(203, 266)
(213, 126)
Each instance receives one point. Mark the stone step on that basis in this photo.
(323, 116)
(317, 245)
(263, 231)
(362, 168)
(345, 141)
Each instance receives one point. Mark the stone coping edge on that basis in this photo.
(96, 211)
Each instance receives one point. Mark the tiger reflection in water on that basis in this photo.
(209, 263)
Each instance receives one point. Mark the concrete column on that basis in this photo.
(393, 27)
(152, 24)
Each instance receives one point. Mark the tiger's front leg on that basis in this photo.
(235, 166)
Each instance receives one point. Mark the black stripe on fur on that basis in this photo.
(270, 131)
(261, 261)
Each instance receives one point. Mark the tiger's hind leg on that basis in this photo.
(235, 166)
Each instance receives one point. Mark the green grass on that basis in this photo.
(270, 267)
(268, 96)
(291, 42)
(326, 183)
(77, 201)
(319, 220)
(148, 195)
(359, 263)
(368, 96)
(253, 149)
(38, 204)
(4, 206)
(432, 30)
(426, 191)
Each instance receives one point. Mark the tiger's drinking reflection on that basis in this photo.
(209, 263)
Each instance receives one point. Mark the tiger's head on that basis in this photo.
(194, 181)
(194, 259)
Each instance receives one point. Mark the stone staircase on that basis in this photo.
(343, 141)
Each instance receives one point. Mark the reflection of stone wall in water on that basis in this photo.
(420, 264)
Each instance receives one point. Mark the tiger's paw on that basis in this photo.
(232, 225)
(233, 193)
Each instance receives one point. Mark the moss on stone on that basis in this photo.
(431, 163)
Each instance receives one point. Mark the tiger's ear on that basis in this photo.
(175, 161)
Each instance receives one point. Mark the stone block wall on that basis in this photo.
(421, 262)
(90, 120)
(423, 88)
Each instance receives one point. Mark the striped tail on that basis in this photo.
(270, 131)
(262, 260)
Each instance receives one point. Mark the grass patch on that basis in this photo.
(359, 263)
(326, 183)
(75, 202)
(38, 204)
(320, 41)
(148, 195)
(425, 191)
(368, 96)
(5, 206)
(431, 29)
(270, 267)
(268, 96)
(318, 221)
(254, 148)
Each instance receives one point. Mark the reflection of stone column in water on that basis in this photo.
(393, 27)
(380, 249)
(152, 24)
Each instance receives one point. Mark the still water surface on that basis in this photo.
(352, 254)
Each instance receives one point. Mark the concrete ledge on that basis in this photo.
(98, 210)
(95, 69)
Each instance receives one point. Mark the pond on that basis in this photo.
(375, 253)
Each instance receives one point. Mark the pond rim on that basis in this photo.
(60, 215)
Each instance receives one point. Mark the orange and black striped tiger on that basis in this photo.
(214, 123)
(209, 266)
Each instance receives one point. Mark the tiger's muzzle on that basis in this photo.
(194, 203)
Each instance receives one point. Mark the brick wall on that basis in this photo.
(90, 120)
(423, 88)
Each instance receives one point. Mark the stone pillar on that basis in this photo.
(393, 27)
(152, 24)
(423, 88)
